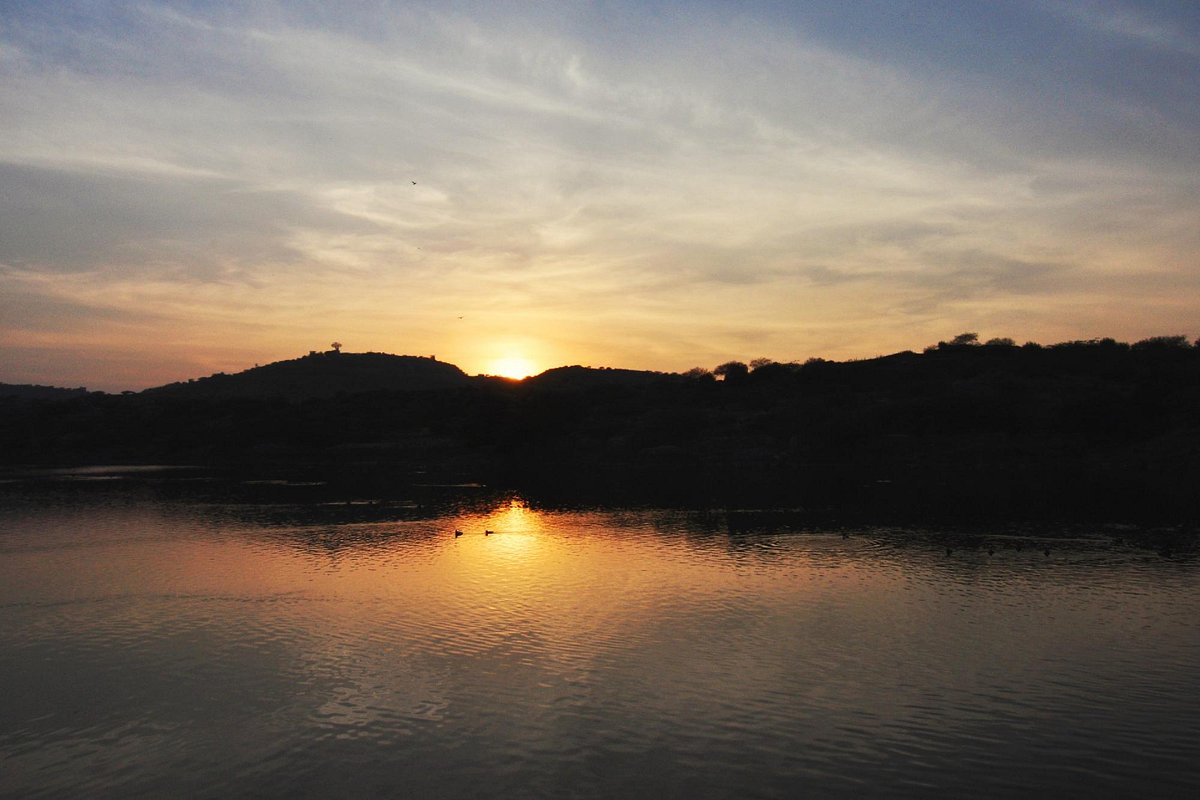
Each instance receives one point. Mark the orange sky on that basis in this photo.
(189, 189)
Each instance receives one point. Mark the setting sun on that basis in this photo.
(512, 367)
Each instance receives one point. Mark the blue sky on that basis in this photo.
(192, 187)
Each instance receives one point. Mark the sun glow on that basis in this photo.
(512, 367)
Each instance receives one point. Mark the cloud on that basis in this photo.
(584, 177)
(200, 228)
(1129, 22)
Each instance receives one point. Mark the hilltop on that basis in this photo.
(30, 391)
(324, 374)
(577, 378)
(1092, 429)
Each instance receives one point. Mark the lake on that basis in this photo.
(288, 645)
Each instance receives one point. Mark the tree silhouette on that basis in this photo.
(1162, 343)
(337, 347)
(732, 371)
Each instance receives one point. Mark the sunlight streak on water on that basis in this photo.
(147, 648)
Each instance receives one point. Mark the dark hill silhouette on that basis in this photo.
(577, 378)
(31, 391)
(324, 375)
(1080, 430)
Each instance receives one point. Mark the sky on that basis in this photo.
(195, 187)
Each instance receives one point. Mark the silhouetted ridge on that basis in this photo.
(325, 375)
(577, 377)
(1084, 430)
(34, 392)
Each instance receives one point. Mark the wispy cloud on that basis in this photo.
(599, 185)
(1130, 22)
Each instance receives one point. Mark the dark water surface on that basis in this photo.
(154, 647)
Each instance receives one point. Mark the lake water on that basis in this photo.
(156, 647)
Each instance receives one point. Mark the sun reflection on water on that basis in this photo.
(570, 635)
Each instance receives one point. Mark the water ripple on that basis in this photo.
(150, 649)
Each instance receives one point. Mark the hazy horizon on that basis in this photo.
(519, 370)
(192, 188)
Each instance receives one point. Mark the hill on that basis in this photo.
(29, 391)
(577, 378)
(323, 375)
(1080, 430)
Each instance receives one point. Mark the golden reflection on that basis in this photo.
(547, 599)
(514, 529)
